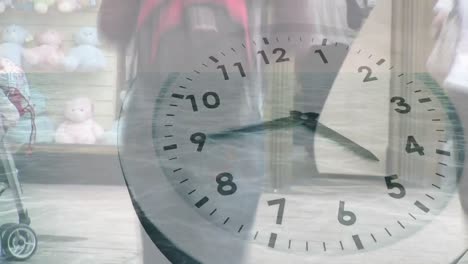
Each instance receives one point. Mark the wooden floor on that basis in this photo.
(79, 224)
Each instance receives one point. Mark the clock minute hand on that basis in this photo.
(281, 123)
(329, 133)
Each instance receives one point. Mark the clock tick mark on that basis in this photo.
(443, 152)
(324, 247)
(202, 202)
(391, 68)
(443, 141)
(233, 50)
(401, 75)
(436, 186)
(168, 125)
(307, 245)
(227, 220)
(359, 52)
(373, 237)
(341, 244)
(178, 96)
(336, 44)
(214, 59)
(265, 40)
(412, 216)
(417, 91)
(431, 110)
(358, 242)
(289, 38)
(174, 105)
(170, 147)
(408, 83)
(205, 65)
(324, 42)
(184, 181)
(256, 234)
(425, 100)
(421, 206)
(272, 241)
(402, 226)
(440, 175)
(194, 190)
(173, 158)
(255, 43)
(277, 39)
(443, 164)
(176, 170)
(197, 72)
(170, 115)
(380, 62)
(222, 53)
(213, 212)
(169, 136)
(188, 79)
(370, 56)
(243, 45)
(183, 87)
(240, 228)
(430, 197)
(289, 244)
(388, 232)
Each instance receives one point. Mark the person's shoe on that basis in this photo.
(3, 187)
(458, 75)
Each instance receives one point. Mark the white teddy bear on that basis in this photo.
(79, 126)
(85, 57)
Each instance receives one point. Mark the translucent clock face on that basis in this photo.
(240, 139)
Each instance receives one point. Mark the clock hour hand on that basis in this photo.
(295, 119)
(329, 133)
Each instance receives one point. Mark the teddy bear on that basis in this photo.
(68, 6)
(49, 54)
(42, 6)
(79, 126)
(4, 4)
(85, 56)
(45, 127)
(14, 37)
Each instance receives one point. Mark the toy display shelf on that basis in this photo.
(58, 86)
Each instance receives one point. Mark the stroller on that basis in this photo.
(17, 241)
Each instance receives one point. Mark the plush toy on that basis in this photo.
(24, 5)
(79, 126)
(42, 6)
(45, 128)
(4, 4)
(49, 54)
(68, 6)
(14, 37)
(85, 56)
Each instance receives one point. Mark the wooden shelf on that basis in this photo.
(71, 149)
